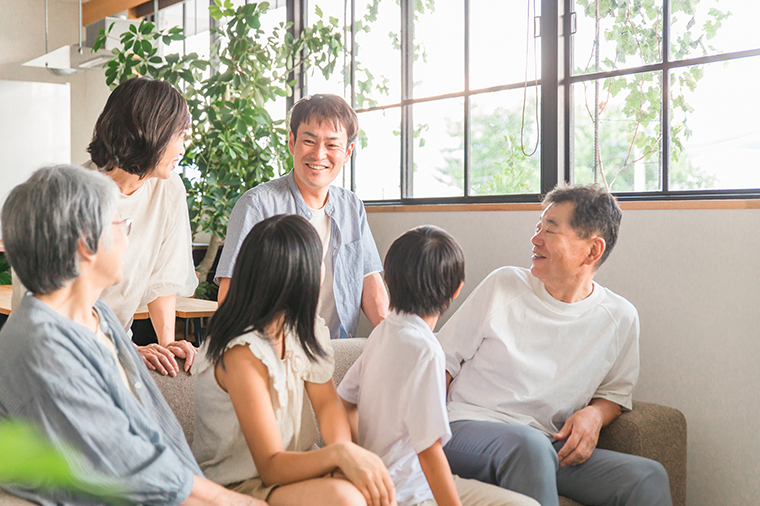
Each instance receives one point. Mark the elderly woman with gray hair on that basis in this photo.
(68, 367)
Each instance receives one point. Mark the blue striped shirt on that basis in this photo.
(55, 375)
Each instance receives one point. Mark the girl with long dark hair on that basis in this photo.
(266, 348)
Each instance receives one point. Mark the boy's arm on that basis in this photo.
(438, 474)
(353, 419)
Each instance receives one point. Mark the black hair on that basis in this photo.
(277, 272)
(423, 270)
(139, 120)
(325, 107)
(595, 212)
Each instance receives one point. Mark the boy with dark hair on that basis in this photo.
(395, 393)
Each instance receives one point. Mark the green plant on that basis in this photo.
(5, 271)
(29, 459)
(235, 144)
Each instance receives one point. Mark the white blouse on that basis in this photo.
(218, 444)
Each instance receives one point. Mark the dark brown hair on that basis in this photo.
(595, 212)
(423, 270)
(330, 108)
(140, 118)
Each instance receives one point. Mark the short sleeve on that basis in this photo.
(321, 370)
(424, 412)
(244, 216)
(371, 257)
(460, 337)
(619, 382)
(349, 386)
(174, 270)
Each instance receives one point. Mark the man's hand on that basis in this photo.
(582, 431)
(183, 349)
(158, 358)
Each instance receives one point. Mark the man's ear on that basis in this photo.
(291, 142)
(598, 247)
(349, 150)
(456, 294)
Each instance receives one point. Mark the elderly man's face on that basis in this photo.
(558, 253)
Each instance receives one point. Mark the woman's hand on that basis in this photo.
(158, 358)
(367, 473)
(183, 349)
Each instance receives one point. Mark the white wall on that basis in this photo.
(694, 276)
(22, 38)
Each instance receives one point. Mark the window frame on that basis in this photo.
(556, 120)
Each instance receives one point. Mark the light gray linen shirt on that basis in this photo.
(55, 375)
(353, 249)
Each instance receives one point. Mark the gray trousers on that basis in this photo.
(524, 460)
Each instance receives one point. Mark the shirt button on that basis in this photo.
(138, 385)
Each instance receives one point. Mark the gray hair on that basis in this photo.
(45, 217)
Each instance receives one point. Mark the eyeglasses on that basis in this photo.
(126, 223)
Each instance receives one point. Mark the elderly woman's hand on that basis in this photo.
(183, 349)
(158, 358)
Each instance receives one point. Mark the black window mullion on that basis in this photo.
(407, 83)
(353, 86)
(550, 103)
(665, 116)
(466, 161)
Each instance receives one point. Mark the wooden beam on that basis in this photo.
(146, 8)
(95, 10)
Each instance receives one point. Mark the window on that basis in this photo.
(497, 100)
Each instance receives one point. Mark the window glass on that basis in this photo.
(500, 33)
(378, 56)
(705, 27)
(378, 155)
(627, 34)
(335, 12)
(715, 137)
(617, 132)
(499, 163)
(437, 148)
(438, 47)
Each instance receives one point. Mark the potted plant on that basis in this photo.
(235, 144)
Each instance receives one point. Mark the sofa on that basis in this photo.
(649, 430)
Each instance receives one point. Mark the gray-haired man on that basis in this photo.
(542, 359)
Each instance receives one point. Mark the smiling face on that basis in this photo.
(560, 257)
(319, 151)
(175, 150)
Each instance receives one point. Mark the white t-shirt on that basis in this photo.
(158, 261)
(326, 306)
(399, 386)
(518, 355)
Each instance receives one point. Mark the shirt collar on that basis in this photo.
(303, 209)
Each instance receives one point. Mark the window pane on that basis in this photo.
(438, 152)
(499, 31)
(438, 47)
(378, 155)
(704, 27)
(622, 139)
(339, 12)
(715, 137)
(627, 34)
(378, 59)
(498, 161)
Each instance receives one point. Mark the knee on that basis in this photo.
(651, 484)
(346, 494)
(532, 454)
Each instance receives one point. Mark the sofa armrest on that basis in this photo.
(346, 353)
(655, 432)
(178, 392)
